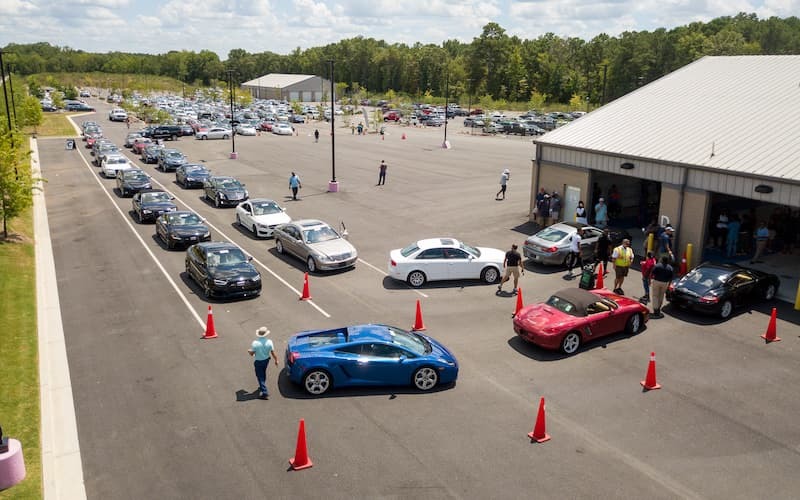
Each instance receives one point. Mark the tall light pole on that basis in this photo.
(469, 103)
(333, 186)
(445, 144)
(11, 89)
(5, 92)
(234, 155)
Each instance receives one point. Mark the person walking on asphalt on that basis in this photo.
(662, 275)
(382, 173)
(294, 184)
(601, 251)
(261, 349)
(503, 182)
(623, 258)
(647, 270)
(512, 265)
(316, 135)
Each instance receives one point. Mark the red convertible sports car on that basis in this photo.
(574, 316)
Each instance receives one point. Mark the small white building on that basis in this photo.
(300, 88)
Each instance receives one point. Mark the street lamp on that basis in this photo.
(333, 186)
(445, 144)
(469, 103)
(234, 155)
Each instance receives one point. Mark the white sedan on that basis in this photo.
(261, 216)
(213, 133)
(439, 259)
(245, 129)
(112, 164)
(282, 128)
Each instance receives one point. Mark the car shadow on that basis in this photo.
(390, 283)
(537, 268)
(301, 265)
(290, 390)
(527, 228)
(242, 395)
(245, 232)
(540, 354)
(784, 310)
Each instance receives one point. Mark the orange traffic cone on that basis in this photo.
(682, 269)
(301, 459)
(649, 382)
(306, 295)
(600, 272)
(211, 332)
(519, 302)
(538, 434)
(418, 324)
(403, 137)
(771, 334)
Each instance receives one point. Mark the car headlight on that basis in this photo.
(145, 211)
(206, 234)
(446, 361)
(324, 258)
(222, 196)
(256, 278)
(220, 282)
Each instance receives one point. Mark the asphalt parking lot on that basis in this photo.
(163, 414)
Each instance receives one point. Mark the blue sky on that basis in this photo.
(280, 26)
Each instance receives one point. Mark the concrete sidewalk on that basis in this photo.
(62, 469)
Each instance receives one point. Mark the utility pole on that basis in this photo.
(11, 89)
(333, 186)
(446, 95)
(233, 131)
(5, 93)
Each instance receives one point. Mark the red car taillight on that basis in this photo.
(551, 249)
(671, 287)
(709, 299)
(393, 263)
(293, 357)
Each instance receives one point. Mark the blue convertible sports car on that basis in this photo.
(365, 355)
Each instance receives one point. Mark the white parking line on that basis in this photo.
(381, 271)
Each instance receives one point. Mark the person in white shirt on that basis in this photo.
(575, 251)
(580, 214)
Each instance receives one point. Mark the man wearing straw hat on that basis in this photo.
(261, 349)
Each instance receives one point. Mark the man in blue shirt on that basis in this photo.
(762, 236)
(261, 349)
(601, 214)
(294, 184)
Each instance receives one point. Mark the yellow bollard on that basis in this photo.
(650, 242)
(688, 256)
(797, 299)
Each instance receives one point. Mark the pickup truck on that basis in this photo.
(171, 132)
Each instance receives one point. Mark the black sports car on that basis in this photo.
(222, 270)
(224, 191)
(181, 228)
(132, 180)
(191, 175)
(718, 288)
(148, 205)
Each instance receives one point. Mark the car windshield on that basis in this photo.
(563, 305)
(184, 219)
(409, 340)
(410, 249)
(195, 169)
(136, 175)
(154, 197)
(551, 234)
(708, 276)
(230, 184)
(266, 208)
(112, 159)
(319, 234)
(471, 250)
(227, 257)
(175, 154)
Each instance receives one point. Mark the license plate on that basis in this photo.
(193, 238)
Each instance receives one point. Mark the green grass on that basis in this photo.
(54, 124)
(19, 368)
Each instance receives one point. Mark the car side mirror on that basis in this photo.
(401, 359)
(171, 197)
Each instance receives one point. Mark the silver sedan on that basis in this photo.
(315, 242)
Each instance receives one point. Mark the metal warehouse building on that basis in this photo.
(300, 88)
(718, 136)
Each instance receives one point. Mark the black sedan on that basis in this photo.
(132, 180)
(224, 191)
(150, 153)
(718, 288)
(148, 205)
(222, 270)
(191, 175)
(181, 228)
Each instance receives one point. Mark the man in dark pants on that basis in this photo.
(261, 349)
(382, 173)
(512, 265)
(662, 274)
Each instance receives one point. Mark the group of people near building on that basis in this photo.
(736, 233)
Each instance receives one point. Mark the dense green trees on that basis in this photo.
(494, 63)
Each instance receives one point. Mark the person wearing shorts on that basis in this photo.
(513, 266)
(623, 258)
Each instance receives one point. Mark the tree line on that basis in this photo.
(550, 68)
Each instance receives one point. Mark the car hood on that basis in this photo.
(135, 183)
(492, 255)
(333, 247)
(272, 219)
(232, 192)
(241, 271)
(538, 317)
(197, 176)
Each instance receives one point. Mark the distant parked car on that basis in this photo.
(148, 205)
(245, 129)
(170, 159)
(132, 180)
(224, 191)
(181, 228)
(150, 153)
(551, 244)
(117, 115)
(222, 270)
(282, 128)
(111, 164)
(213, 133)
